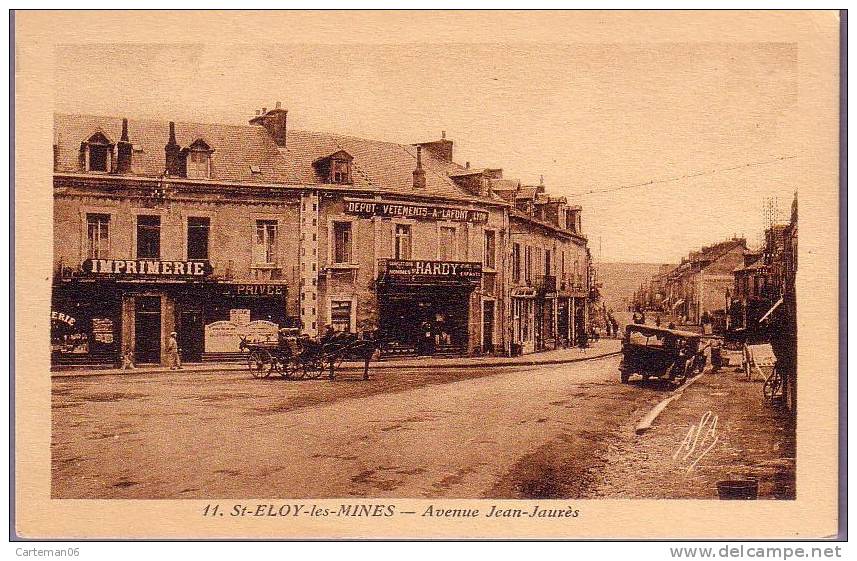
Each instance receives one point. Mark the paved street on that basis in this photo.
(487, 432)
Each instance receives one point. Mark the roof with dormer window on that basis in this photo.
(380, 166)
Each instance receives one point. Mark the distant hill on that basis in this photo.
(620, 280)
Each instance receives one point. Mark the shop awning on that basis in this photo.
(769, 312)
(677, 304)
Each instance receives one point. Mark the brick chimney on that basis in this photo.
(440, 149)
(274, 122)
(419, 173)
(173, 153)
(123, 151)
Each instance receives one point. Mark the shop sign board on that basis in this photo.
(389, 209)
(102, 330)
(409, 271)
(239, 316)
(524, 292)
(63, 318)
(255, 289)
(146, 268)
(225, 336)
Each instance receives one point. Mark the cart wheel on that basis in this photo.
(292, 369)
(313, 368)
(260, 363)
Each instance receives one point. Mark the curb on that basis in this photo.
(346, 368)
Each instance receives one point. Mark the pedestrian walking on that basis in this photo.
(128, 359)
(173, 352)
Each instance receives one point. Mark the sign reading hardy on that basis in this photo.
(362, 207)
(146, 267)
(433, 270)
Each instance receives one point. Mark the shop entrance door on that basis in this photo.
(147, 329)
(191, 335)
(488, 326)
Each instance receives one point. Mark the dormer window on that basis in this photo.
(97, 153)
(340, 171)
(198, 165)
(198, 160)
(335, 168)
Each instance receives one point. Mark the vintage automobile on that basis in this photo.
(654, 352)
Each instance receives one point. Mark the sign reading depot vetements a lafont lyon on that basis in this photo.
(362, 207)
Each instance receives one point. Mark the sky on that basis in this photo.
(707, 128)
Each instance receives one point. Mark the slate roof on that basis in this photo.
(382, 166)
(757, 265)
(236, 148)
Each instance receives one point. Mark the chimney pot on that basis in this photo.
(274, 123)
(419, 173)
(258, 112)
(277, 105)
(466, 165)
(443, 135)
(172, 150)
(123, 151)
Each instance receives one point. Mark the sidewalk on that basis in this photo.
(602, 348)
(750, 439)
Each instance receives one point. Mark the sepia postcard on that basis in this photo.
(426, 274)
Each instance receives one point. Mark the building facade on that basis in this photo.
(549, 270)
(701, 282)
(222, 233)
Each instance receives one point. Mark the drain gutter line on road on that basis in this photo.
(646, 422)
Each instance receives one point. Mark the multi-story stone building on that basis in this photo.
(222, 232)
(702, 280)
(549, 275)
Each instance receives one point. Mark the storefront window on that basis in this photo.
(447, 243)
(490, 249)
(98, 233)
(265, 246)
(342, 242)
(402, 248)
(340, 315)
(149, 237)
(197, 238)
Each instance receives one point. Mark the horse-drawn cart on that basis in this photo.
(296, 357)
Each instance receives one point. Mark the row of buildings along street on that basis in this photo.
(745, 294)
(195, 239)
(221, 233)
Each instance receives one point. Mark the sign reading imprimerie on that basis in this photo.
(362, 207)
(146, 267)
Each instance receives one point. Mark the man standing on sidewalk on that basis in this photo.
(173, 355)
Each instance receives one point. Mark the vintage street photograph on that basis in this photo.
(538, 271)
